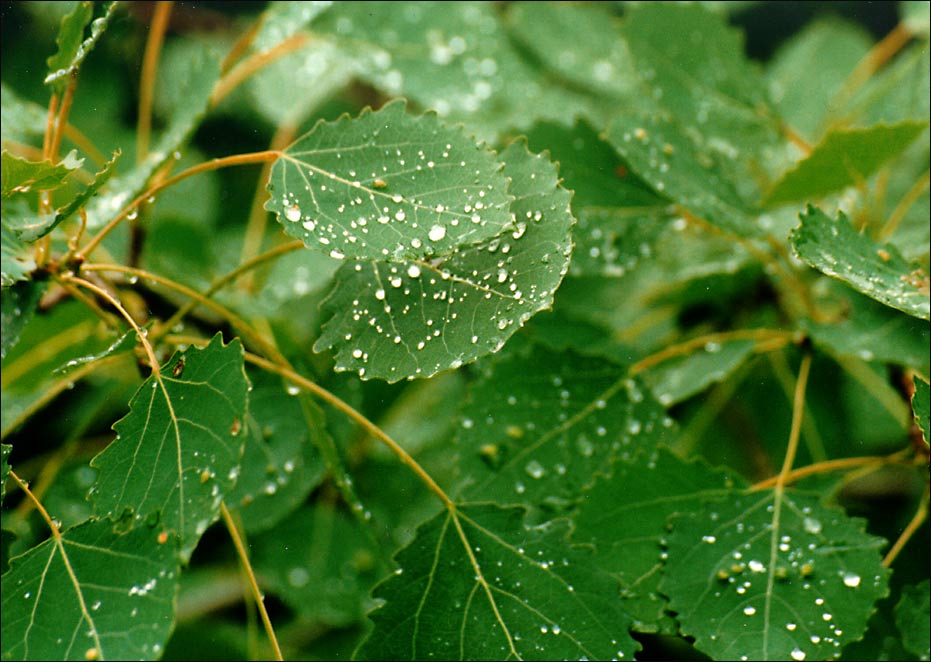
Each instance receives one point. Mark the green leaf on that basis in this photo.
(911, 616)
(441, 310)
(21, 175)
(772, 578)
(125, 341)
(18, 305)
(5, 450)
(20, 120)
(844, 157)
(899, 91)
(661, 153)
(921, 405)
(538, 424)
(477, 583)
(178, 450)
(389, 186)
(95, 593)
(282, 20)
(836, 249)
(916, 17)
(72, 46)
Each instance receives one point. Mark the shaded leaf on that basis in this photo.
(20, 120)
(95, 593)
(124, 342)
(72, 46)
(539, 424)
(911, 616)
(476, 583)
(178, 450)
(282, 20)
(18, 305)
(773, 578)
(921, 405)
(844, 157)
(836, 249)
(899, 91)
(21, 175)
(415, 318)
(5, 450)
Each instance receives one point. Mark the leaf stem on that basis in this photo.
(909, 199)
(250, 574)
(921, 514)
(213, 164)
(770, 339)
(153, 49)
(826, 467)
(252, 64)
(61, 120)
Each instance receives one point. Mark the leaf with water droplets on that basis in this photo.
(539, 424)
(17, 307)
(781, 578)
(845, 157)
(178, 450)
(5, 450)
(22, 175)
(623, 517)
(97, 592)
(457, 302)
(477, 583)
(73, 48)
(911, 616)
(282, 20)
(878, 271)
(20, 120)
(921, 406)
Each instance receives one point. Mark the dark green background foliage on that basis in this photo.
(545, 331)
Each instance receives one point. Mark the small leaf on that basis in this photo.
(911, 616)
(72, 47)
(440, 311)
(124, 342)
(770, 578)
(836, 249)
(389, 186)
(921, 405)
(538, 425)
(178, 450)
(477, 584)
(844, 157)
(17, 307)
(95, 593)
(5, 450)
(21, 175)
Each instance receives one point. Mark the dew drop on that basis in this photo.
(851, 580)
(749, 610)
(380, 294)
(413, 271)
(797, 654)
(534, 469)
(293, 214)
(437, 232)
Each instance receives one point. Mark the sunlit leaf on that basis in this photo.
(781, 578)
(623, 517)
(178, 450)
(21, 175)
(921, 405)
(844, 157)
(73, 47)
(539, 424)
(95, 593)
(911, 615)
(443, 309)
(836, 249)
(476, 583)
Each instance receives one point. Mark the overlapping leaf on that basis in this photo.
(95, 593)
(20, 120)
(17, 307)
(476, 583)
(5, 450)
(73, 47)
(911, 616)
(21, 175)
(539, 424)
(178, 450)
(439, 310)
(921, 405)
(836, 249)
(770, 577)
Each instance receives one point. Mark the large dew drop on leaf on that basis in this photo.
(417, 316)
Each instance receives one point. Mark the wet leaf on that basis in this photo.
(21, 175)
(785, 578)
(73, 47)
(539, 424)
(921, 405)
(178, 450)
(17, 307)
(20, 120)
(836, 249)
(448, 307)
(282, 20)
(845, 157)
(911, 616)
(95, 593)
(477, 583)
(5, 450)
(916, 18)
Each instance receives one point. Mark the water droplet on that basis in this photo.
(852, 580)
(749, 610)
(380, 294)
(812, 525)
(413, 271)
(534, 469)
(709, 539)
(293, 214)
(437, 232)
(298, 577)
(797, 654)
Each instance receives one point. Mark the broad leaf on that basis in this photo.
(389, 186)
(538, 424)
(445, 309)
(921, 405)
(844, 157)
(178, 450)
(20, 120)
(73, 48)
(95, 593)
(916, 18)
(623, 517)
(682, 377)
(766, 577)
(21, 175)
(836, 249)
(17, 307)
(478, 584)
(282, 20)
(911, 615)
